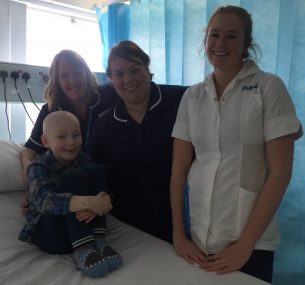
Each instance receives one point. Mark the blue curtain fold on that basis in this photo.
(114, 25)
(172, 31)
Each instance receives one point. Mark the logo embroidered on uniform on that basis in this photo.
(250, 87)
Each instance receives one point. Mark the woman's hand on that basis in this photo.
(230, 259)
(85, 216)
(188, 250)
(27, 156)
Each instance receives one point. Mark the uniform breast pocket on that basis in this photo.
(253, 119)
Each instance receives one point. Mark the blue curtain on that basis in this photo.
(171, 32)
(114, 25)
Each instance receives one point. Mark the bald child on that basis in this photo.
(68, 199)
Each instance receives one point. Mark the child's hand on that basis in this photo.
(85, 216)
(24, 205)
(101, 204)
(188, 250)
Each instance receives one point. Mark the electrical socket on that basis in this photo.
(26, 76)
(3, 75)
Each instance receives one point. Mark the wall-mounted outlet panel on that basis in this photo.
(36, 82)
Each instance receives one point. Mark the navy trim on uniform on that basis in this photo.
(120, 113)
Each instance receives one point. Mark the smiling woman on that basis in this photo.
(133, 138)
(128, 69)
(233, 143)
(71, 87)
(132, 82)
(226, 48)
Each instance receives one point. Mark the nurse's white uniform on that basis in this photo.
(229, 138)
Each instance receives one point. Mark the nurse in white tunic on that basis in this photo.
(233, 142)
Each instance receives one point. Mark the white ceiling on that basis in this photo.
(87, 4)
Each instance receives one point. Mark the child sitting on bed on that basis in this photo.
(68, 199)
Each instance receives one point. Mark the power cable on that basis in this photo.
(26, 76)
(15, 76)
(3, 75)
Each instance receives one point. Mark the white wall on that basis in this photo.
(12, 31)
(12, 49)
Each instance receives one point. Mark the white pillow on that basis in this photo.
(10, 166)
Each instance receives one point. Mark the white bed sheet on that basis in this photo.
(147, 260)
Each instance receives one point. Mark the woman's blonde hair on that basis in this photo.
(253, 50)
(53, 93)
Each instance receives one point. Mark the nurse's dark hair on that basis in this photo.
(252, 49)
(53, 93)
(130, 51)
